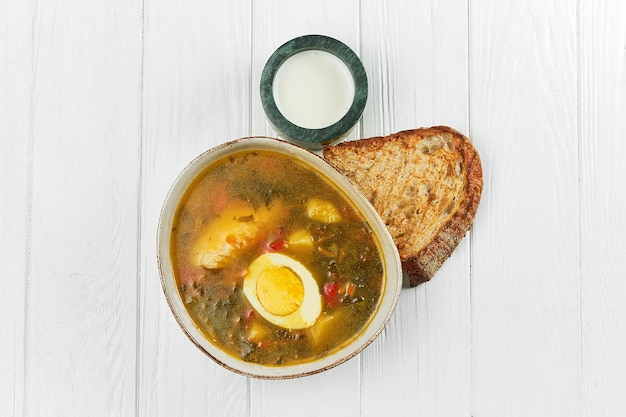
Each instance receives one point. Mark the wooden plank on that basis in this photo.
(276, 22)
(525, 269)
(603, 177)
(15, 174)
(416, 57)
(81, 329)
(197, 92)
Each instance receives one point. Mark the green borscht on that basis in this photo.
(273, 263)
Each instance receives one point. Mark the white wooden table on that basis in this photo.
(103, 102)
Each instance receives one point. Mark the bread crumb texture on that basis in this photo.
(425, 184)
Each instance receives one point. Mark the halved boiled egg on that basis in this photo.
(283, 291)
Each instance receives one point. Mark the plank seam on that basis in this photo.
(138, 345)
(580, 193)
(471, 234)
(29, 205)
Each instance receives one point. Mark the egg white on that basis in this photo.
(308, 311)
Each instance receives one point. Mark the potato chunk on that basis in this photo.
(322, 211)
(300, 239)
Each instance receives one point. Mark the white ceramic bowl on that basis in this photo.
(391, 261)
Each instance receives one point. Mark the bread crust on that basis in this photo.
(419, 263)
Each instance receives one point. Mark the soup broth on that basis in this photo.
(274, 264)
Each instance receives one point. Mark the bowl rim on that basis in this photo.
(391, 260)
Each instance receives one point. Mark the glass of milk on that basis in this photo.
(313, 90)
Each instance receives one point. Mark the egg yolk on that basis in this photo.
(280, 290)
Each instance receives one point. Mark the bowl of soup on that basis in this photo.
(272, 263)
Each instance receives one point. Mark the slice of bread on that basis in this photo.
(424, 183)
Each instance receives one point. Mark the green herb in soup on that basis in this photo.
(274, 264)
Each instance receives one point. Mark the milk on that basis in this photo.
(313, 89)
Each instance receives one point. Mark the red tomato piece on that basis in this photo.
(331, 292)
(276, 241)
(277, 245)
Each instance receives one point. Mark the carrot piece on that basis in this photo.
(350, 287)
